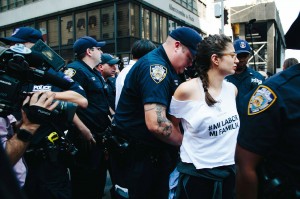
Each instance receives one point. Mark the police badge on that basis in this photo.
(158, 73)
(261, 100)
(70, 72)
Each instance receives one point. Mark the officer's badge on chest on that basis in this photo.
(261, 100)
(158, 73)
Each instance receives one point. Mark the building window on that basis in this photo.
(66, 30)
(93, 22)
(42, 26)
(107, 22)
(3, 5)
(190, 5)
(11, 4)
(80, 24)
(163, 29)
(53, 32)
(145, 24)
(135, 20)
(123, 20)
(154, 28)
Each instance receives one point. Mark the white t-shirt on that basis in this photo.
(120, 80)
(210, 133)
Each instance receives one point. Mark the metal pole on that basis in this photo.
(250, 30)
(222, 17)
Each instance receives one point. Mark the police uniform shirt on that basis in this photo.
(270, 122)
(61, 126)
(245, 82)
(95, 116)
(111, 92)
(151, 80)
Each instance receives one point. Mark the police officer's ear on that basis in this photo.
(177, 44)
(89, 51)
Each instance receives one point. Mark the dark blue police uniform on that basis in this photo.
(111, 91)
(245, 82)
(89, 173)
(47, 167)
(270, 125)
(151, 80)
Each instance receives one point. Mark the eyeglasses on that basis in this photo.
(233, 55)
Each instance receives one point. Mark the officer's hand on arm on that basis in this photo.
(246, 178)
(16, 146)
(158, 123)
(85, 132)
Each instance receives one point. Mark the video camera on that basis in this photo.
(20, 65)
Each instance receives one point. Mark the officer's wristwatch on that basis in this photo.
(24, 135)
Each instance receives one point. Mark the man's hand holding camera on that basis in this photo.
(16, 146)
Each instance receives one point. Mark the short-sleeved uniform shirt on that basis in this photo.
(151, 80)
(270, 122)
(61, 126)
(95, 116)
(245, 82)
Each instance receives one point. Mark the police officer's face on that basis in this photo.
(96, 54)
(243, 60)
(183, 59)
(108, 70)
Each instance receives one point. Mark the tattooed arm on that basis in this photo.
(158, 123)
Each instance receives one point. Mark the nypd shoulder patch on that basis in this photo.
(158, 73)
(70, 72)
(261, 100)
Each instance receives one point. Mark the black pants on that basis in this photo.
(198, 187)
(88, 175)
(145, 174)
(47, 180)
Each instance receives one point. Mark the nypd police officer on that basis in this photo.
(268, 150)
(245, 78)
(89, 172)
(141, 116)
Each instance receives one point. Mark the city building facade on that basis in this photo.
(118, 22)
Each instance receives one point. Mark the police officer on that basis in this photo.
(107, 69)
(245, 78)
(269, 137)
(89, 173)
(141, 116)
(47, 170)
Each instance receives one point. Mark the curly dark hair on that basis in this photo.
(213, 44)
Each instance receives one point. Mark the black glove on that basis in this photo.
(38, 115)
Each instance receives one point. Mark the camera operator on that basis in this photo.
(15, 144)
(47, 169)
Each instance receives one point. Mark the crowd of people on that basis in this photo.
(226, 133)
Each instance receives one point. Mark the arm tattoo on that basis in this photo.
(164, 125)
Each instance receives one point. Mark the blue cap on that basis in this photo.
(241, 46)
(84, 43)
(188, 37)
(23, 35)
(109, 59)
